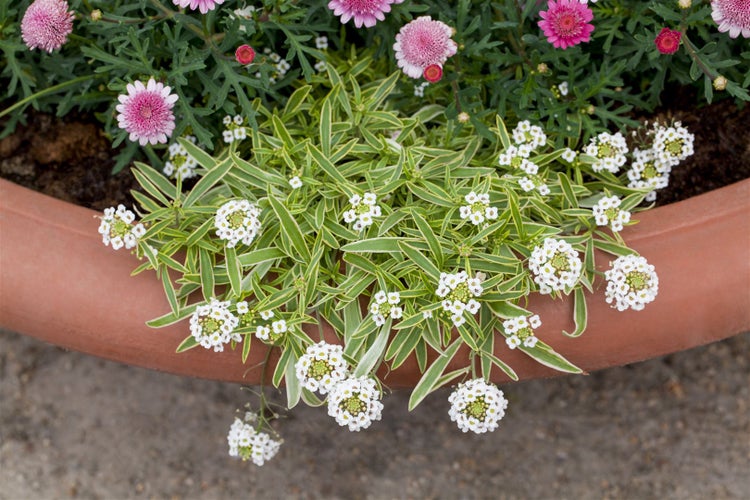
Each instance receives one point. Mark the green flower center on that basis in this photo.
(673, 147)
(235, 219)
(637, 280)
(477, 207)
(477, 409)
(318, 369)
(362, 209)
(650, 172)
(611, 213)
(525, 333)
(606, 150)
(210, 325)
(353, 405)
(559, 262)
(245, 452)
(119, 228)
(461, 293)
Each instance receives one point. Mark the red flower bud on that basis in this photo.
(668, 41)
(433, 73)
(244, 54)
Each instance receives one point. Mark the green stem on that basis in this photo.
(48, 90)
(694, 56)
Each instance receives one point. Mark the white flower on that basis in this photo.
(228, 136)
(363, 209)
(609, 150)
(266, 314)
(526, 133)
(385, 304)
(212, 325)
(242, 307)
(238, 120)
(648, 172)
(478, 208)
(555, 265)
(321, 367)
(237, 221)
(249, 444)
(520, 330)
(320, 66)
(321, 42)
(295, 182)
(569, 155)
(631, 283)
(117, 229)
(607, 211)
(355, 403)
(457, 291)
(477, 406)
(180, 165)
(526, 184)
(279, 326)
(563, 88)
(240, 133)
(672, 144)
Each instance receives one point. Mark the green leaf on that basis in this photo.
(545, 355)
(234, 270)
(429, 379)
(207, 274)
(374, 245)
(204, 159)
(328, 167)
(325, 127)
(209, 180)
(261, 255)
(290, 227)
(420, 260)
(580, 313)
(169, 291)
(187, 344)
(293, 387)
(246, 345)
(430, 238)
(373, 355)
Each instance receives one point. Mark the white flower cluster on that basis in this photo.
(608, 212)
(247, 13)
(355, 402)
(569, 155)
(651, 166)
(477, 406)
(520, 330)
(237, 221)
(117, 230)
(526, 133)
(249, 444)
(478, 209)
(458, 292)
(528, 184)
(647, 172)
(631, 283)
(386, 304)
(419, 89)
(609, 151)
(321, 367)
(180, 164)
(280, 66)
(212, 325)
(514, 156)
(555, 265)
(672, 144)
(364, 208)
(235, 129)
(270, 331)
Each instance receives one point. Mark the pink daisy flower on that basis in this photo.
(244, 54)
(146, 112)
(732, 16)
(203, 5)
(364, 12)
(668, 41)
(47, 24)
(566, 23)
(422, 43)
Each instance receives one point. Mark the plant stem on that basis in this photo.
(48, 90)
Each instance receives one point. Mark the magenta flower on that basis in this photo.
(566, 23)
(47, 24)
(421, 43)
(203, 5)
(146, 112)
(364, 12)
(668, 41)
(732, 16)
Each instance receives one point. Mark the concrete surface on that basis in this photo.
(73, 426)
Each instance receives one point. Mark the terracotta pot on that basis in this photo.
(59, 283)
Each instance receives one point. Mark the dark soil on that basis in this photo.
(72, 160)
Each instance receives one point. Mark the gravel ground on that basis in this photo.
(73, 426)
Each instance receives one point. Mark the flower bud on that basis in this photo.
(684, 4)
(96, 15)
(244, 54)
(720, 83)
